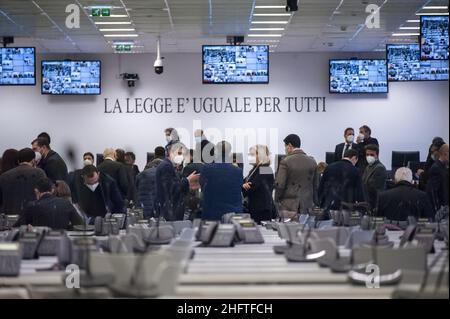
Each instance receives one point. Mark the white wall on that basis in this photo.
(405, 119)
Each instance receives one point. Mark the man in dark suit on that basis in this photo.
(170, 186)
(97, 193)
(404, 200)
(17, 185)
(49, 210)
(51, 162)
(433, 155)
(374, 176)
(340, 149)
(115, 170)
(363, 139)
(204, 149)
(221, 184)
(438, 180)
(341, 182)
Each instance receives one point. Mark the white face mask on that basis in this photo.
(371, 159)
(178, 160)
(87, 162)
(37, 157)
(93, 187)
(350, 138)
(252, 160)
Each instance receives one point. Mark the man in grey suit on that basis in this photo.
(294, 187)
(374, 176)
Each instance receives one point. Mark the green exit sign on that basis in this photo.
(106, 12)
(96, 12)
(101, 12)
(123, 47)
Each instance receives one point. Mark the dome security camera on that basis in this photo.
(158, 65)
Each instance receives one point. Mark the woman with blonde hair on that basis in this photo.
(258, 185)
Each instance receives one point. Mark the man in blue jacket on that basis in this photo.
(221, 184)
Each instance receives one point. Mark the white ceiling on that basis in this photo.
(184, 25)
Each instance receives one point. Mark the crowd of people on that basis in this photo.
(207, 182)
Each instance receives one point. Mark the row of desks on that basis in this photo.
(242, 271)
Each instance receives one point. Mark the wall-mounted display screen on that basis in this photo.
(235, 64)
(71, 77)
(404, 64)
(17, 66)
(434, 37)
(358, 76)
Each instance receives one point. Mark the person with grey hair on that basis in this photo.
(221, 184)
(170, 186)
(172, 138)
(404, 200)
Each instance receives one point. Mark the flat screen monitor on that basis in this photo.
(71, 77)
(235, 64)
(434, 37)
(17, 66)
(358, 76)
(404, 64)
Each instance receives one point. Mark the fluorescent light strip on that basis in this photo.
(261, 40)
(266, 29)
(413, 21)
(271, 14)
(113, 22)
(270, 7)
(116, 30)
(270, 22)
(432, 14)
(435, 8)
(404, 34)
(409, 28)
(265, 35)
(120, 35)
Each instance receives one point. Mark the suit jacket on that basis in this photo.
(118, 172)
(51, 211)
(222, 190)
(259, 196)
(17, 188)
(112, 197)
(294, 186)
(170, 188)
(54, 166)
(339, 149)
(438, 184)
(374, 181)
(146, 191)
(404, 200)
(340, 182)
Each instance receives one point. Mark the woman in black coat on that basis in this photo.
(258, 185)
